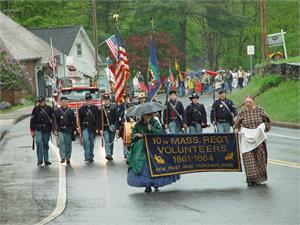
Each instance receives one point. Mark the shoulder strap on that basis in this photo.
(91, 113)
(65, 113)
(107, 118)
(174, 109)
(223, 103)
(43, 110)
(196, 108)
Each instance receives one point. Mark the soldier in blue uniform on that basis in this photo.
(89, 126)
(108, 118)
(196, 115)
(222, 113)
(65, 128)
(41, 127)
(174, 115)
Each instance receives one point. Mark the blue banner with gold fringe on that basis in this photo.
(170, 154)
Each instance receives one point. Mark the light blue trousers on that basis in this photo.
(223, 127)
(195, 129)
(42, 145)
(65, 145)
(88, 143)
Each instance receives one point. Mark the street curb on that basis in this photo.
(18, 119)
(286, 125)
(3, 135)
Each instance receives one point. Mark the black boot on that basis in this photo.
(148, 190)
(47, 163)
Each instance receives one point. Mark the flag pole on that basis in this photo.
(106, 40)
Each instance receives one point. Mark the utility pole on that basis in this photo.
(95, 37)
(263, 29)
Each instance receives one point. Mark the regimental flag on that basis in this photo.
(180, 77)
(112, 45)
(122, 70)
(153, 73)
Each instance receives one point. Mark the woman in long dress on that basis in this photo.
(138, 172)
(255, 161)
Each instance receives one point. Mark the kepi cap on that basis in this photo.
(88, 96)
(105, 96)
(172, 92)
(41, 98)
(63, 98)
(194, 95)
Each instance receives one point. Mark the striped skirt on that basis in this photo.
(255, 164)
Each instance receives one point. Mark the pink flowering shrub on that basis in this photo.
(13, 75)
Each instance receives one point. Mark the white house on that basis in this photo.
(78, 56)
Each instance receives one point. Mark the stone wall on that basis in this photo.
(287, 70)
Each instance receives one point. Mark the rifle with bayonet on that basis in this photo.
(78, 127)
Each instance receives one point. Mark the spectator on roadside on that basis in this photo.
(241, 77)
(228, 81)
(191, 85)
(234, 79)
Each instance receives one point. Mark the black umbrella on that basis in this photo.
(145, 108)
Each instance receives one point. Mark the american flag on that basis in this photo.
(112, 45)
(172, 80)
(52, 62)
(52, 59)
(122, 70)
(142, 86)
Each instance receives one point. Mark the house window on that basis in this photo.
(79, 49)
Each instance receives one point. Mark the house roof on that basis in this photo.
(21, 43)
(62, 37)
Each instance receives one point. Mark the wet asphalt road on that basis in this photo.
(98, 193)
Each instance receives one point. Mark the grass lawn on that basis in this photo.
(282, 103)
(14, 108)
(252, 89)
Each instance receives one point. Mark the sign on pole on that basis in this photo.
(250, 50)
(277, 40)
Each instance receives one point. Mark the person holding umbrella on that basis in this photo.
(138, 172)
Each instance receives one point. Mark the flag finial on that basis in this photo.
(152, 23)
(116, 17)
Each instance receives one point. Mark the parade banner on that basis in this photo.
(170, 154)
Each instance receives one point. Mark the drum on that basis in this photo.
(127, 134)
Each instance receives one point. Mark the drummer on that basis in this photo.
(121, 119)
